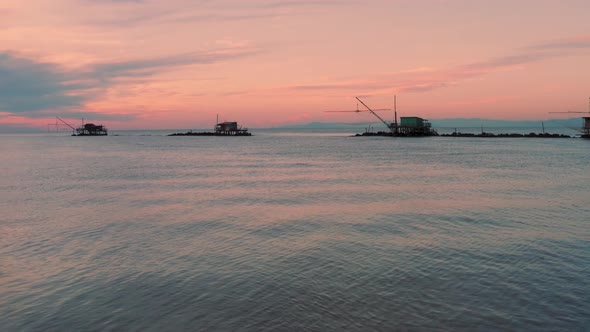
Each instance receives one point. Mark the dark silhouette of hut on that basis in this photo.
(90, 129)
(230, 129)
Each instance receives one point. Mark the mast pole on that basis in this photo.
(375, 114)
(395, 112)
(67, 124)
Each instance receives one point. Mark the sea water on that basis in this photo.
(302, 231)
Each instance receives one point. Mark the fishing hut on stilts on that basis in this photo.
(408, 126)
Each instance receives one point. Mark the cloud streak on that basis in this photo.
(302, 3)
(580, 42)
(425, 80)
(26, 85)
(29, 87)
(134, 13)
(147, 67)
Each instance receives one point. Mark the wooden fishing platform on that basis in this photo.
(221, 129)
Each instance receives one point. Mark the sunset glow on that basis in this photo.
(149, 64)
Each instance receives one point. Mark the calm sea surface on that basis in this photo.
(293, 231)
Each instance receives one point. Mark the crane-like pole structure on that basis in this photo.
(389, 126)
(357, 110)
(586, 128)
(67, 124)
(577, 112)
(395, 124)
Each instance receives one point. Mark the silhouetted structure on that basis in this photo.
(408, 126)
(230, 129)
(586, 128)
(413, 126)
(220, 129)
(89, 129)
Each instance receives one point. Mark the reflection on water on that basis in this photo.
(293, 232)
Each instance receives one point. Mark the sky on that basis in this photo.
(160, 64)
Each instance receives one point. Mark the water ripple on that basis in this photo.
(299, 232)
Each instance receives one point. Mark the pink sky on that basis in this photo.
(148, 64)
